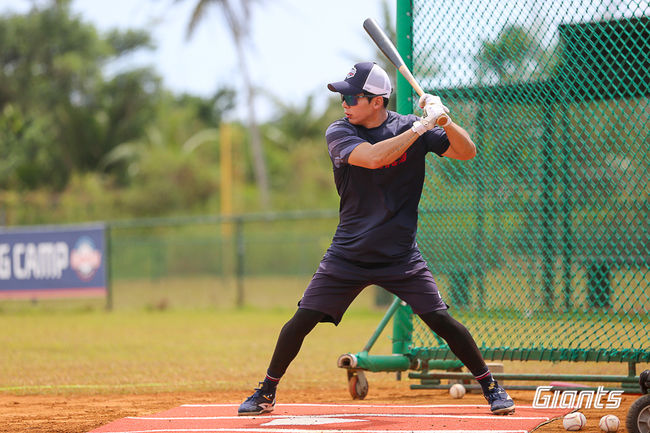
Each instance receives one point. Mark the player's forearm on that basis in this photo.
(383, 152)
(460, 143)
(387, 151)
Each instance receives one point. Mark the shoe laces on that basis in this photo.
(496, 392)
(259, 392)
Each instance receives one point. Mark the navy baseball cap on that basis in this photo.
(365, 77)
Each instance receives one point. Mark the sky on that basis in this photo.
(297, 46)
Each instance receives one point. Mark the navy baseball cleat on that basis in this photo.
(262, 401)
(500, 401)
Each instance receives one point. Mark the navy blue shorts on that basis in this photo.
(337, 282)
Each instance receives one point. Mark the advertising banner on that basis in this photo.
(45, 262)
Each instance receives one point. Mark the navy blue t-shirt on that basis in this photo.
(378, 213)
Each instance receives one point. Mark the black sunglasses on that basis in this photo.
(352, 100)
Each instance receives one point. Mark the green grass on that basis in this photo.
(185, 335)
(144, 351)
(76, 351)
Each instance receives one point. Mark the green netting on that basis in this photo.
(540, 243)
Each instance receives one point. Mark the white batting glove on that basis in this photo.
(427, 99)
(432, 112)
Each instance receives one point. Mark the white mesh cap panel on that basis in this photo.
(378, 82)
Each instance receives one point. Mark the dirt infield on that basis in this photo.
(76, 413)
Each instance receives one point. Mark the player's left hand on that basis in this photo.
(427, 99)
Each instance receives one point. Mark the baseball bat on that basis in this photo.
(388, 48)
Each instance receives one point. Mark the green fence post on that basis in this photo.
(108, 267)
(480, 253)
(402, 323)
(567, 194)
(405, 49)
(548, 214)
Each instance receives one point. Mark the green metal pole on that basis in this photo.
(531, 377)
(378, 363)
(391, 311)
(402, 330)
(404, 42)
(402, 325)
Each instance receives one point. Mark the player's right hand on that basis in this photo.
(434, 114)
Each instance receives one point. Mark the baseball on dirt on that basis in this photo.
(457, 390)
(574, 421)
(609, 423)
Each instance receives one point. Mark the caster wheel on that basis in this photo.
(357, 384)
(638, 416)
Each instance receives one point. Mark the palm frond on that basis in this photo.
(198, 14)
(126, 152)
(204, 136)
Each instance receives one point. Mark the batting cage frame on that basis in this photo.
(541, 243)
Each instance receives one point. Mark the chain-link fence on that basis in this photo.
(541, 242)
(261, 260)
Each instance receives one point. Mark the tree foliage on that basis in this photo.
(237, 15)
(79, 144)
(514, 56)
(63, 114)
(298, 159)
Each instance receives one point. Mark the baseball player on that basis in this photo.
(378, 159)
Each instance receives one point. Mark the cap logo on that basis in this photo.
(352, 73)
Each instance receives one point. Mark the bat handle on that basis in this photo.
(443, 120)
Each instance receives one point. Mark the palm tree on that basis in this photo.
(237, 15)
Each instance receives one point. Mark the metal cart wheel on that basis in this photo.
(357, 384)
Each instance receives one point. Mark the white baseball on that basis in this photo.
(574, 421)
(609, 423)
(457, 390)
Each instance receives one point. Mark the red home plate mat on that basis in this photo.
(349, 418)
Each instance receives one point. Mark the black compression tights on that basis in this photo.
(293, 333)
(458, 338)
(290, 340)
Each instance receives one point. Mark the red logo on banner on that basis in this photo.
(85, 258)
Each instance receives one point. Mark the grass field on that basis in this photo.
(185, 335)
(144, 351)
(47, 350)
